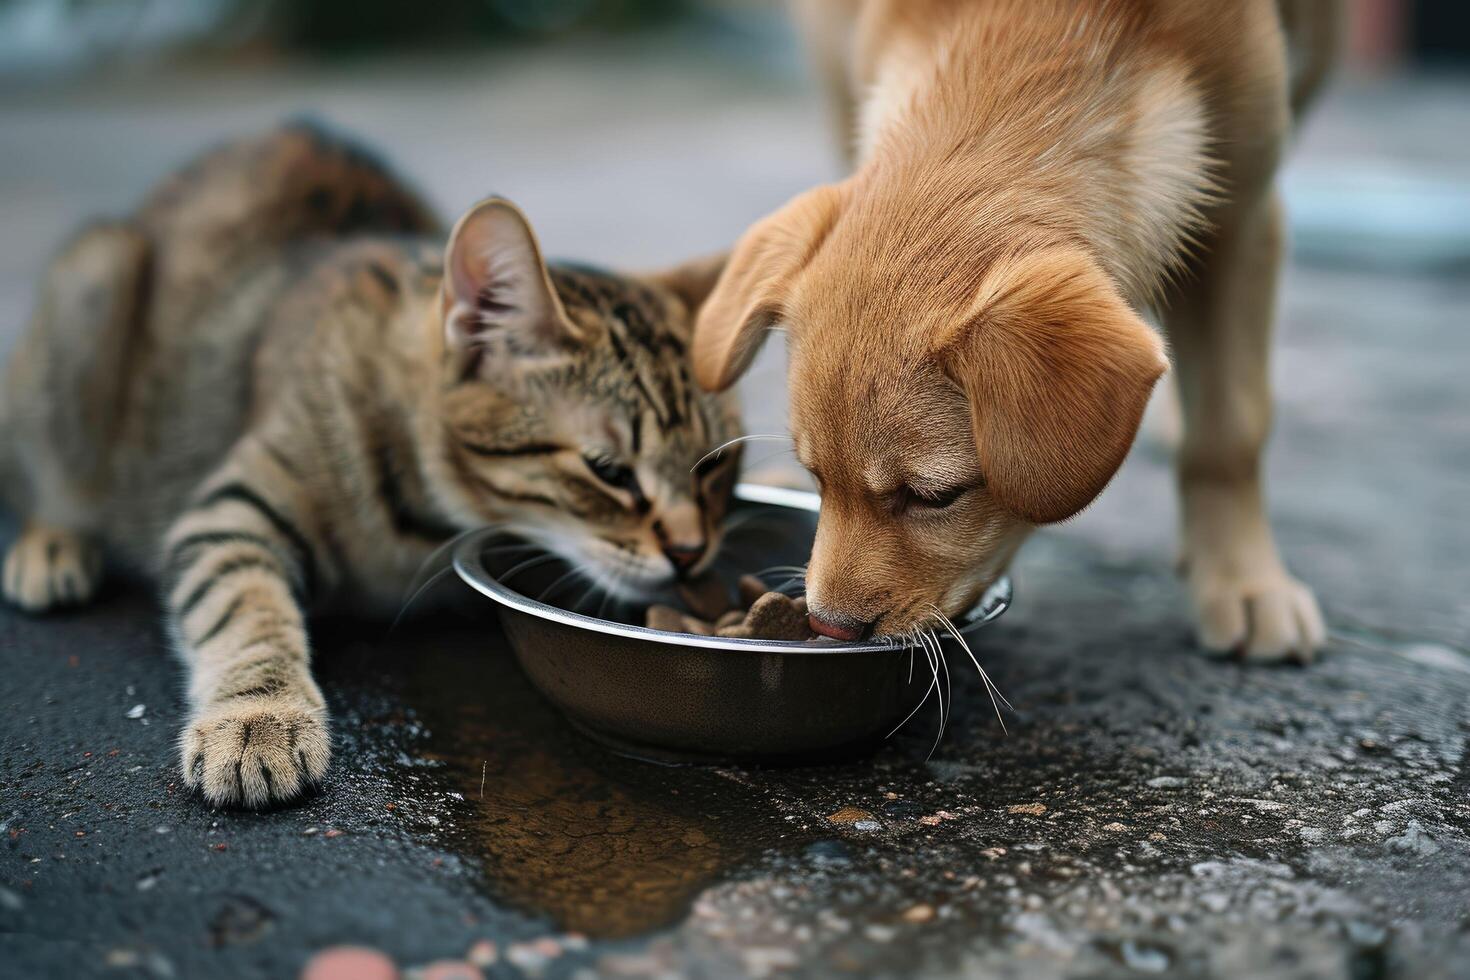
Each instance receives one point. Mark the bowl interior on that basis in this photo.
(769, 533)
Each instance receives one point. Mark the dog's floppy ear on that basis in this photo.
(751, 293)
(1058, 369)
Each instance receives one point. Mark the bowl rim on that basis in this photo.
(469, 564)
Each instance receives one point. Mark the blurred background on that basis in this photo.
(640, 132)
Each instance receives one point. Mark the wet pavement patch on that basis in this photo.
(603, 845)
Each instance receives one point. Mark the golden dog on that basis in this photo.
(964, 313)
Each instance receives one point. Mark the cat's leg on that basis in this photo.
(47, 567)
(62, 401)
(240, 565)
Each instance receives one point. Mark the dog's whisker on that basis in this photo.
(944, 686)
(922, 701)
(797, 581)
(948, 683)
(990, 688)
(964, 644)
(939, 692)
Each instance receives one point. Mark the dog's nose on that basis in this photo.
(838, 629)
(684, 557)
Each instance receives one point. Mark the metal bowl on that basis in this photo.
(680, 697)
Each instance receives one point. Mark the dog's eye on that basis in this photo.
(930, 499)
(616, 475)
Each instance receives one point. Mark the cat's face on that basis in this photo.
(571, 414)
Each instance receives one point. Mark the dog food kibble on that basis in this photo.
(769, 616)
(732, 618)
(671, 620)
(750, 588)
(775, 616)
(706, 596)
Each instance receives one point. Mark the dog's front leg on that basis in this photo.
(1219, 324)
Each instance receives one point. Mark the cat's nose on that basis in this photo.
(684, 557)
(838, 627)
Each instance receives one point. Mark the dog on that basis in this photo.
(965, 313)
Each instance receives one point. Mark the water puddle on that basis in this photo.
(606, 846)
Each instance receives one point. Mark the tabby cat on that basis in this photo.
(272, 390)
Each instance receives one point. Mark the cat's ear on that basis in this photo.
(752, 293)
(497, 293)
(691, 281)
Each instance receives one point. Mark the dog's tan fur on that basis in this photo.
(963, 312)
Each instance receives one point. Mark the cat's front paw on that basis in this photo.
(48, 567)
(256, 752)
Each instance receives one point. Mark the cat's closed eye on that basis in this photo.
(620, 476)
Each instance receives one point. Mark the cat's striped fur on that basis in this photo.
(275, 391)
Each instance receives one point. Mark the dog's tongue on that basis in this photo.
(833, 630)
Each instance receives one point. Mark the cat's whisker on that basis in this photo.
(443, 550)
(570, 573)
(753, 437)
(429, 583)
(597, 579)
(750, 517)
(607, 595)
(526, 566)
(422, 582)
(751, 465)
(756, 518)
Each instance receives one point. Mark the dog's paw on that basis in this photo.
(49, 567)
(1270, 616)
(256, 752)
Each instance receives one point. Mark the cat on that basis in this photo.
(274, 391)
